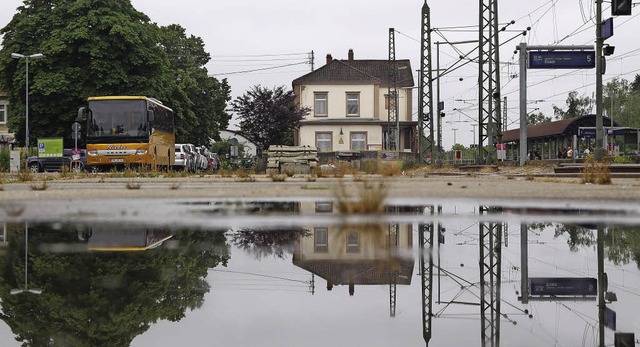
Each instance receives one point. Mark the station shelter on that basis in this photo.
(547, 140)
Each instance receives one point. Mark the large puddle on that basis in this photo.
(298, 273)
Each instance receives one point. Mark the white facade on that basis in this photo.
(249, 147)
(348, 102)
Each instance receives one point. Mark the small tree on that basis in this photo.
(576, 106)
(269, 116)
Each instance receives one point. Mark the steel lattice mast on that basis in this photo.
(489, 115)
(393, 129)
(426, 88)
(490, 244)
(425, 233)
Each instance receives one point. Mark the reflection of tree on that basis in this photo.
(103, 298)
(267, 242)
(622, 243)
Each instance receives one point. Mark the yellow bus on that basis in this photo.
(128, 131)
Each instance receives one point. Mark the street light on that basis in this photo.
(26, 263)
(26, 57)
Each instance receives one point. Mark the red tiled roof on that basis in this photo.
(360, 72)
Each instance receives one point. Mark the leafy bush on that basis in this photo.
(622, 160)
(4, 159)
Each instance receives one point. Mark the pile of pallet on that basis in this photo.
(292, 159)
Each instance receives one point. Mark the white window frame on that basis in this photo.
(3, 114)
(320, 98)
(324, 140)
(321, 239)
(351, 98)
(351, 140)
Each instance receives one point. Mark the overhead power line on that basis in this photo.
(259, 69)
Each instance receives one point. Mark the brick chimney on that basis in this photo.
(329, 58)
(351, 56)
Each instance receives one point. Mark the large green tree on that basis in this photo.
(90, 48)
(198, 99)
(105, 47)
(537, 118)
(269, 116)
(576, 106)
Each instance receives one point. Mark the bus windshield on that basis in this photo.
(118, 118)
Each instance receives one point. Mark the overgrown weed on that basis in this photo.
(596, 172)
(369, 199)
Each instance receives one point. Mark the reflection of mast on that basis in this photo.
(26, 264)
(490, 244)
(426, 271)
(393, 272)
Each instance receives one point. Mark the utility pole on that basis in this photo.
(312, 60)
(393, 128)
(489, 115)
(425, 121)
(599, 150)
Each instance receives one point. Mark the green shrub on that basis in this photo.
(623, 159)
(4, 159)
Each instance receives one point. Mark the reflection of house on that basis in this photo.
(4, 242)
(349, 102)
(5, 136)
(356, 254)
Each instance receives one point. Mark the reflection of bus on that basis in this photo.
(128, 130)
(123, 238)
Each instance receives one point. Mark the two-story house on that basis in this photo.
(349, 102)
(5, 136)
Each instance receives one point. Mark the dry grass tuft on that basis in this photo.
(133, 185)
(595, 172)
(39, 186)
(25, 176)
(278, 177)
(391, 169)
(369, 199)
(243, 175)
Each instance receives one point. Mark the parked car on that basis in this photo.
(183, 158)
(37, 164)
(214, 161)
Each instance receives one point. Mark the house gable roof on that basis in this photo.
(360, 72)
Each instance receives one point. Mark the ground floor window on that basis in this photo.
(323, 142)
(358, 141)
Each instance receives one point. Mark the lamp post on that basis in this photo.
(26, 264)
(26, 97)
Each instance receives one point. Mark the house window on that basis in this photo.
(323, 142)
(353, 104)
(320, 104)
(321, 239)
(353, 242)
(324, 206)
(386, 102)
(358, 141)
(3, 114)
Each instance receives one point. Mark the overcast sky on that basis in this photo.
(249, 35)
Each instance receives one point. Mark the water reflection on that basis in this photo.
(103, 298)
(417, 275)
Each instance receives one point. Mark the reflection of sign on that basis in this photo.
(562, 59)
(610, 318)
(50, 148)
(563, 286)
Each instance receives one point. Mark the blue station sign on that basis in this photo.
(563, 286)
(562, 59)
